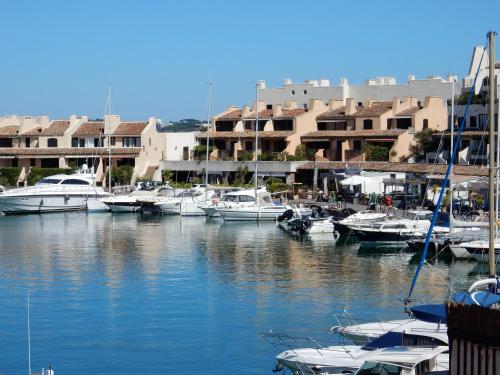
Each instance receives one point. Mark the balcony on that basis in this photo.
(354, 155)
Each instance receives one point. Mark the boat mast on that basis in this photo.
(109, 139)
(29, 338)
(208, 135)
(451, 147)
(256, 139)
(491, 180)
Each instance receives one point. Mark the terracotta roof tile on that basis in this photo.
(233, 115)
(56, 128)
(93, 128)
(266, 114)
(353, 134)
(466, 170)
(130, 128)
(408, 112)
(8, 131)
(246, 134)
(376, 109)
(290, 113)
(33, 132)
(336, 113)
(91, 151)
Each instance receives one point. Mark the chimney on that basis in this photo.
(245, 112)
(316, 104)
(277, 110)
(334, 104)
(350, 107)
(291, 104)
(368, 103)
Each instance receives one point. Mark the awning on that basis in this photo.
(432, 313)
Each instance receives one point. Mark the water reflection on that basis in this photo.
(124, 289)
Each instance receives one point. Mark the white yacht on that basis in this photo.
(242, 197)
(477, 250)
(361, 218)
(131, 202)
(186, 203)
(259, 209)
(53, 193)
(339, 358)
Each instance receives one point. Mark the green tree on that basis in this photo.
(166, 175)
(425, 142)
(240, 175)
(376, 153)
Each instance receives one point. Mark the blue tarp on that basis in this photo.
(432, 313)
(485, 299)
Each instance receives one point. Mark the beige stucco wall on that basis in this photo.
(153, 149)
(434, 110)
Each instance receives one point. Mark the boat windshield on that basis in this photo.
(74, 181)
(52, 181)
(372, 368)
(189, 193)
(237, 198)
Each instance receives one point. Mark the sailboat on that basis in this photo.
(484, 293)
(263, 207)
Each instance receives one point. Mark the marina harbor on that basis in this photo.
(167, 206)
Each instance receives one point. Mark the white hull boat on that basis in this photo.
(132, 202)
(58, 193)
(252, 213)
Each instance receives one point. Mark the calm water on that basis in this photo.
(126, 294)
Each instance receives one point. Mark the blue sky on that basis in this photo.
(58, 56)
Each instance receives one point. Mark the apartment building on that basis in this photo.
(335, 131)
(37, 142)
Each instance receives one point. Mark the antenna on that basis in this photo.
(29, 338)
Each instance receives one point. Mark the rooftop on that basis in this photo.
(353, 134)
(233, 115)
(93, 128)
(246, 134)
(56, 128)
(130, 128)
(8, 131)
(80, 151)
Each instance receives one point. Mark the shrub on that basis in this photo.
(269, 156)
(200, 151)
(376, 153)
(166, 175)
(245, 156)
(121, 175)
(240, 175)
(9, 176)
(38, 174)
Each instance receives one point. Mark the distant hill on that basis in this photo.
(184, 125)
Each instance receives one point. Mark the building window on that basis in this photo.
(27, 143)
(426, 124)
(293, 92)
(360, 104)
(6, 142)
(52, 142)
(74, 142)
(185, 153)
(249, 146)
(269, 106)
(131, 142)
(305, 106)
(367, 124)
(96, 142)
(473, 122)
(112, 141)
(81, 142)
(305, 92)
(33, 162)
(356, 145)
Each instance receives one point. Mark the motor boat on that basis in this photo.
(414, 226)
(361, 218)
(338, 359)
(477, 250)
(406, 360)
(186, 203)
(260, 209)
(242, 197)
(56, 193)
(295, 222)
(131, 202)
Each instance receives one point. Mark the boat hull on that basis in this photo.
(120, 207)
(251, 213)
(12, 205)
